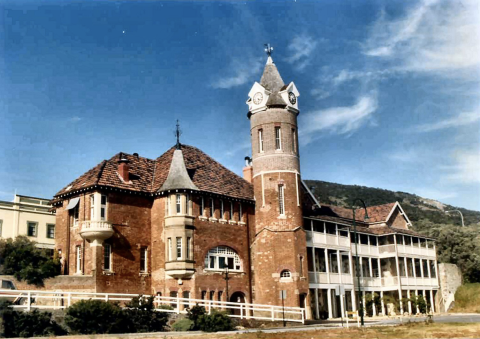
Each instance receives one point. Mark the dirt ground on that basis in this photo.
(411, 330)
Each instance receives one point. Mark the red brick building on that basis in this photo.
(173, 225)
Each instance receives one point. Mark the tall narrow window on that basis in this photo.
(169, 249)
(143, 259)
(222, 210)
(294, 141)
(187, 204)
(231, 210)
(92, 207)
(202, 207)
(75, 214)
(278, 138)
(189, 247)
(212, 208)
(78, 252)
(260, 140)
(179, 248)
(179, 203)
(103, 208)
(281, 199)
(240, 212)
(167, 206)
(107, 257)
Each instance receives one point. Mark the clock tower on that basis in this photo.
(279, 246)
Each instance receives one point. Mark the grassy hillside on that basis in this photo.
(455, 244)
(467, 299)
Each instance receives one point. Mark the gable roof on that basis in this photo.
(148, 176)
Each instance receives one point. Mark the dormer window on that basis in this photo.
(278, 138)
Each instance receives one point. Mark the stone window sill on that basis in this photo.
(213, 219)
(222, 221)
(144, 274)
(241, 223)
(232, 222)
(201, 217)
(108, 272)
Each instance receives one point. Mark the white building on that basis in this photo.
(28, 216)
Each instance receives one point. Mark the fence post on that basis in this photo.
(29, 303)
(69, 299)
(241, 311)
(273, 314)
(210, 307)
(178, 304)
(303, 316)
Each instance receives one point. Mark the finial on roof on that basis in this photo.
(269, 50)
(178, 132)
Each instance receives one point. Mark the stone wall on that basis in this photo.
(450, 279)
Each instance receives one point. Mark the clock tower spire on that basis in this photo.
(279, 248)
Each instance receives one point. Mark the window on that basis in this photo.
(32, 228)
(187, 204)
(179, 248)
(189, 247)
(433, 272)
(78, 254)
(212, 295)
(169, 249)
(285, 274)
(332, 257)
(202, 206)
(318, 226)
(75, 214)
(278, 138)
(281, 202)
(168, 205)
(240, 212)
(260, 140)
(231, 210)
(219, 295)
(179, 203)
(345, 262)
(221, 257)
(143, 259)
(294, 141)
(204, 295)
(301, 266)
(212, 208)
(103, 207)
(222, 210)
(50, 231)
(331, 228)
(92, 207)
(401, 266)
(373, 240)
(107, 257)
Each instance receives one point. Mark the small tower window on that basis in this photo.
(103, 207)
(179, 248)
(240, 212)
(179, 204)
(278, 138)
(294, 141)
(143, 259)
(92, 207)
(202, 207)
(222, 210)
(260, 140)
(231, 210)
(212, 208)
(281, 199)
(107, 257)
(169, 249)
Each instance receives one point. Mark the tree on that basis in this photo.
(26, 262)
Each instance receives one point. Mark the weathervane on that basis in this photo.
(268, 49)
(178, 132)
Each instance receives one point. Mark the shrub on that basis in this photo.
(28, 324)
(141, 316)
(194, 314)
(95, 317)
(214, 322)
(183, 325)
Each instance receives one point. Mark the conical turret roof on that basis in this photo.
(272, 81)
(178, 177)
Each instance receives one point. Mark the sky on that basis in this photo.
(389, 90)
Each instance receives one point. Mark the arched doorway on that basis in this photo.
(237, 297)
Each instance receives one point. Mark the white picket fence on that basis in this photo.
(29, 299)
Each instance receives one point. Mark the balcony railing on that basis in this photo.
(412, 281)
(96, 230)
(327, 239)
(407, 249)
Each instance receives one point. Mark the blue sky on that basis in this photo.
(389, 90)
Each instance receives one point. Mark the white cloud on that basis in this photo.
(75, 119)
(405, 156)
(466, 167)
(461, 119)
(339, 120)
(348, 75)
(241, 72)
(435, 36)
(301, 48)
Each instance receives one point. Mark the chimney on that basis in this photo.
(248, 170)
(123, 168)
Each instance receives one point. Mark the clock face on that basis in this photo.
(257, 98)
(292, 98)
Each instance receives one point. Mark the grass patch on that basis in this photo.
(467, 298)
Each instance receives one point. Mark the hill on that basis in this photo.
(455, 244)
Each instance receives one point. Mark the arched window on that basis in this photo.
(285, 274)
(222, 257)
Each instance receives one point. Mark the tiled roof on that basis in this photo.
(148, 176)
(378, 213)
